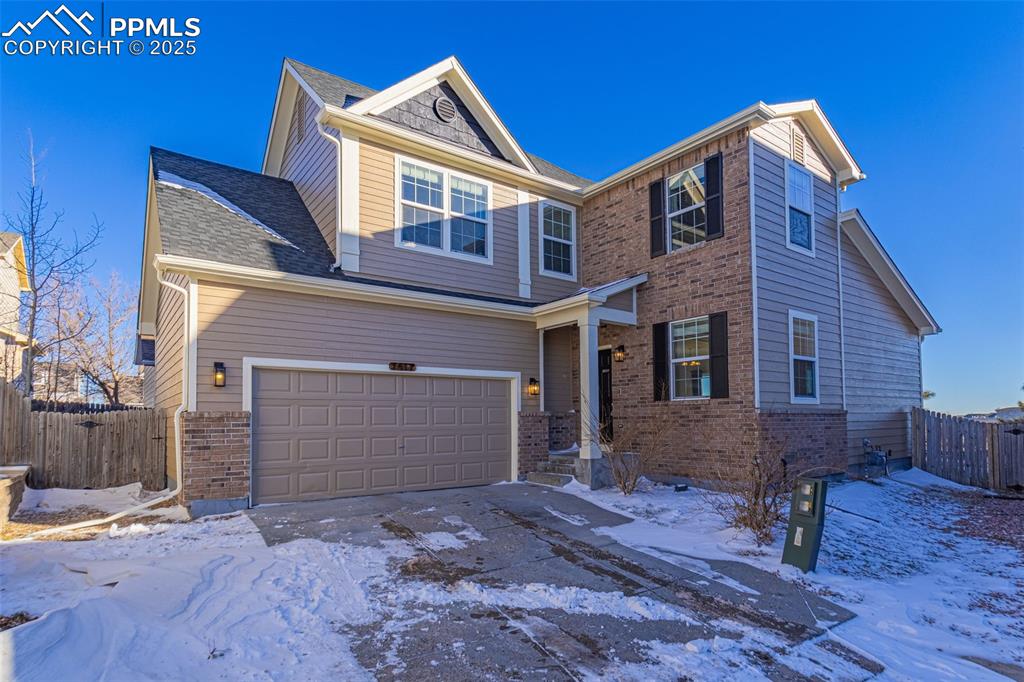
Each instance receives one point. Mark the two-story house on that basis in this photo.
(13, 282)
(403, 298)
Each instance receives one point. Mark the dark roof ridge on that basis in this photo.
(161, 150)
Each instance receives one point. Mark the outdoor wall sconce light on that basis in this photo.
(219, 374)
(533, 388)
(619, 354)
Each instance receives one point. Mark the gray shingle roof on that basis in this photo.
(343, 93)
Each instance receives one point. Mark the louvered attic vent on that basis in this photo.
(445, 109)
(798, 145)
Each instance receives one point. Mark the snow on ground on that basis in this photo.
(926, 595)
(199, 600)
(107, 500)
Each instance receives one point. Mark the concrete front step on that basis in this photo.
(557, 480)
(552, 468)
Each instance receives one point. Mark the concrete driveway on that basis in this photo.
(515, 546)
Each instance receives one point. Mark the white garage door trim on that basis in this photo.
(516, 379)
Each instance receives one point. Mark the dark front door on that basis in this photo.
(604, 370)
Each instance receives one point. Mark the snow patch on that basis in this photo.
(574, 519)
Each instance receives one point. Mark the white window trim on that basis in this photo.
(793, 397)
(688, 209)
(672, 362)
(445, 210)
(541, 237)
(814, 240)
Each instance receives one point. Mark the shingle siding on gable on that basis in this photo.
(787, 279)
(309, 162)
(417, 113)
(883, 360)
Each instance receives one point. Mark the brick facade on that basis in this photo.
(815, 441)
(708, 277)
(533, 441)
(215, 456)
(563, 429)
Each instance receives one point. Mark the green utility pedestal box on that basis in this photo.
(806, 524)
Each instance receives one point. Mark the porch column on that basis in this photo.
(590, 446)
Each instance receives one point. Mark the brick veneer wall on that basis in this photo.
(815, 442)
(533, 440)
(705, 278)
(215, 455)
(563, 429)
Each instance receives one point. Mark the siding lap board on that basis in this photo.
(787, 279)
(310, 163)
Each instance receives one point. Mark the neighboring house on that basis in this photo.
(68, 384)
(403, 298)
(13, 282)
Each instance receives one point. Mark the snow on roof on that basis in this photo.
(172, 180)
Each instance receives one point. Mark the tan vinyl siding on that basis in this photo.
(9, 293)
(545, 288)
(380, 257)
(883, 360)
(558, 360)
(148, 386)
(169, 352)
(235, 322)
(310, 162)
(777, 135)
(788, 279)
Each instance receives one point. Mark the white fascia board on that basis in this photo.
(146, 305)
(817, 123)
(758, 112)
(284, 103)
(440, 151)
(857, 229)
(450, 70)
(321, 286)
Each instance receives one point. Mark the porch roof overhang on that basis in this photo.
(591, 302)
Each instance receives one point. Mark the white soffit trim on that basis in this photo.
(817, 124)
(452, 71)
(857, 229)
(321, 286)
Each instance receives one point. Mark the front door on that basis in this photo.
(604, 369)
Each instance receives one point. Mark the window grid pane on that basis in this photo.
(557, 256)
(469, 198)
(558, 223)
(800, 196)
(469, 236)
(420, 226)
(692, 378)
(803, 338)
(422, 185)
(686, 212)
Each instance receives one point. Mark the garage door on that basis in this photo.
(333, 434)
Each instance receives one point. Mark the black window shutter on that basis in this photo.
(718, 324)
(713, 199)
(657, 203)
(660, 345)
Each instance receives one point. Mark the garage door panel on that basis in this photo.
(324, 434)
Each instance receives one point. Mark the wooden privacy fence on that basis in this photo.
(969, 451)
(93, 450)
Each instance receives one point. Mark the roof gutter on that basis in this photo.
(283, 281)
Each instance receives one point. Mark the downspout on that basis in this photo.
(177, 432)
(322, 129)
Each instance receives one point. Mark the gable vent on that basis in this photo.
(798, 145)
(445, 109)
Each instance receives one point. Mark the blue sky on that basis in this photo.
(929, 98)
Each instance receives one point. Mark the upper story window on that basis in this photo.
(557, 240)
(691, 358)
(803, 357)
(799, 208)
(443, 211)
(687, 218)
